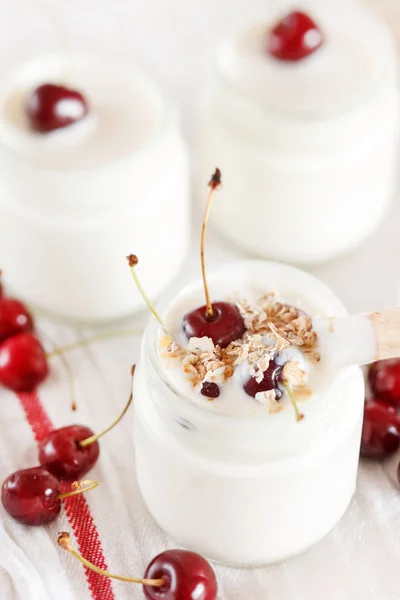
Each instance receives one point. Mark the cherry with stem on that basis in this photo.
(72, 451)
(172, 575)
(33, 497)
(220, 321)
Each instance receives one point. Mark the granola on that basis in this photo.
(281, 324)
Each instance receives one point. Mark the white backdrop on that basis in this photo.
(360, 559)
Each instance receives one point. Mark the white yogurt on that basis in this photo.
(79, 199)
(308, 149)
(241, 485)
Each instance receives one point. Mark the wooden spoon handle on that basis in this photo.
(386, 325)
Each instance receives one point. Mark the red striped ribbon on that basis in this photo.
(76, 507)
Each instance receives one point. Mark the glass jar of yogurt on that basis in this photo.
(308, 148)
(237, 479)
(75, 201)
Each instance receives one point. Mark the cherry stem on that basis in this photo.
(79, 487)
(133, 261)
(65, 542)
(96, 436)
(213, 184)
(288, 388)
(67, 368)
(95, 338)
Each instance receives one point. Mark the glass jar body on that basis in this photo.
(76, 223)
(247, 495)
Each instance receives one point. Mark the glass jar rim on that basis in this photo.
(150, 358)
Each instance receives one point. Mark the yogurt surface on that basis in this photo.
(124, 113)
(249, 356)
(337, 77)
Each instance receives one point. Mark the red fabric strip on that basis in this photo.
(76, 508)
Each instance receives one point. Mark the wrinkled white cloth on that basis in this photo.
(360, 559)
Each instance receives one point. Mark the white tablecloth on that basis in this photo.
(360, 559)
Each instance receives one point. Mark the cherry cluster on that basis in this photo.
(381, 427)
(23, 362)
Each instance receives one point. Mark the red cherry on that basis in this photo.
(384, 379)
(51, 107)
(14, 318)
(294, 37)
(268, 382)
(210, 389)
(388, 407)
(23, 363)
(381, 430)
(224, 327)
(61, 454)
(31, 496)
(188, 577)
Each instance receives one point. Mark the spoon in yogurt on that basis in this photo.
(359, 339)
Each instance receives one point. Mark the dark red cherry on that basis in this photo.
(23, 363)
(224, 327)
(61, 454)
(51, 107)
(210, 389)
(188, 576)
(268, 382)
(31, 496)
(14, 318)
(381, 430)
(294, 37)
(384, 379)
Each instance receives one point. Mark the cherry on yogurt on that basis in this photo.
(269, 381)
(210, 389)
(171, 575)
(220, 321)
(381, 430)
(223, 325)
(50, 107)
(294, 37)
(23, 363)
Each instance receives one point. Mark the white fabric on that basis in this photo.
(360, 559)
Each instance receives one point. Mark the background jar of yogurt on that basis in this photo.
(254, 489)
(76, 201)
(309, 149)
